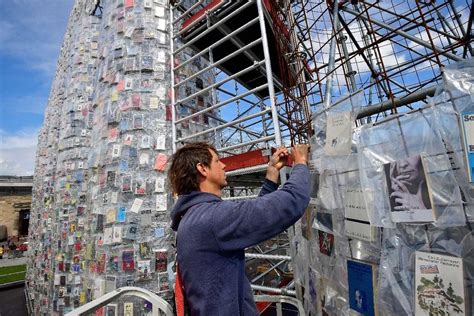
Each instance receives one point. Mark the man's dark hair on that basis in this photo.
(183, 174)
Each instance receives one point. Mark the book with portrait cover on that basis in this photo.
(409, 190)
(362, 280)
(439, 285)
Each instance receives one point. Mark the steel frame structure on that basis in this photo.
(393, 50)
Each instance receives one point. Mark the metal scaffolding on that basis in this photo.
(277, 64)
(393, 51)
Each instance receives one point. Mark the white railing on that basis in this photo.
(158, 304)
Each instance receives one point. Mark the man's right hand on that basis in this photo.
(300, 153)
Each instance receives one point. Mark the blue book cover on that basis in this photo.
(467, 122)
(361, 279)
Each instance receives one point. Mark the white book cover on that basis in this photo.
(117, 238)
(161, 142)
(99, 287)
(339, 133)
(161, 203)
(128, 309)
(354, 205)
(160, 185)
(439, 285)
(137, 204)
(359, 230)
(110, 283)
(108, 235)
(357, 224)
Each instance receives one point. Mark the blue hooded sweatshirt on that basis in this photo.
(213, 234)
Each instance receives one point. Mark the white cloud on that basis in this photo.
(17, 152)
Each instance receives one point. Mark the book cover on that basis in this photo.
(127, 309)
(131, 231)
(99, 287)
(145, 250)
(128, 260)
(356, 223)
(359, 230)
(110, 215)
(161, 203)
(111, 310)
(113, 262)
(163, 282)
(121, 214)
(467, 124)
(117, 237)
(101, 262)
(439, 285)
(161, 260)
(339, 133)
(362, 287)
(408, 190)
(110, 283)
(323, 224)
(108, 235)
(144, 269)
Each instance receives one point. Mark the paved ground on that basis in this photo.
(12, 262)
(15, 297)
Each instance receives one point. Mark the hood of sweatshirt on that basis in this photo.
(186, 201)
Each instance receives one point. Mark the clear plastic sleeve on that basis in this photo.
(412, 139)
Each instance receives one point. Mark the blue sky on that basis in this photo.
(31, 34)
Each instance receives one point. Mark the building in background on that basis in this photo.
(15, 205)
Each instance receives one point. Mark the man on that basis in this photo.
(212, 234)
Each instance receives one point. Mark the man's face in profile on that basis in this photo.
(217, 170)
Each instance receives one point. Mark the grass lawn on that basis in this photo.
(7, 276)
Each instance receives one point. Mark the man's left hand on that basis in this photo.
(277, 161)
(279, 158)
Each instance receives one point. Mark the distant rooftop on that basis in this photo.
(16, 181)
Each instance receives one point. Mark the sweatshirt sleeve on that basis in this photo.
(268, 187)
(238, 225)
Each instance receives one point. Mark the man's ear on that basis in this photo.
(201, 169)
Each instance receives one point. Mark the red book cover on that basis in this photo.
(128, 261)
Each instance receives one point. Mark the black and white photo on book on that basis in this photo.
(408, 190)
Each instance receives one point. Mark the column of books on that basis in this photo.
(57, 232)
(100, 218)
